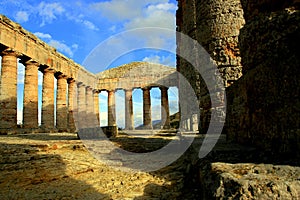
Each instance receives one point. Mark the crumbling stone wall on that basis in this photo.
(255, 45)
(263, 106)
(215, 24)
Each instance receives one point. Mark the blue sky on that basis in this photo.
(76, 28)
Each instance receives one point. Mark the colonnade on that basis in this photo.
(147, 116)
(75, 101)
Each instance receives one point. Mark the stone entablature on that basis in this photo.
(30, 47)
(137, 75)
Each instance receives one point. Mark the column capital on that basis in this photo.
(163, 87)
(146, 88)
(96, 91)
(10, 52)
(30, 62)
(47, 70)
(80, 84)
(71, 80)
(60, 75)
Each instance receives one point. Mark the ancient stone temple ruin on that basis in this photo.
(254, 46)
(77, 100)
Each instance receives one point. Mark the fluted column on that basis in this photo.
(61, 104)
(90, 107)
(72, 104)
(128, 110)
(8, 91)
(147, 118)
(165, 112)
(111, 108)
(48, 100)
(96, 107)
(81, 101)
(30, 105)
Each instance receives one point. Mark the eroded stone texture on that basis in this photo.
(147, 117)
(215, 26)
(96, 108)
(264, 104)
(128, 110)
(61, 104)
(81, 102)
(90, 115)
(72, 104)
(111, 108)
(30, 105)
(48, 100)
(8, 91)
(165, 111)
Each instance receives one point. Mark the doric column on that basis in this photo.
(111, 108)
(165, 113)
(8, 91)
(48, 99)
(30, 105)
(72, 104)
(90, 107)
(81, 101)
(128, 110)
(96, 107)
(61, 104)
(147, 118)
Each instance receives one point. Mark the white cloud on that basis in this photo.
(165, 60)
(22, 16)
(79, 19)
(61, 47)
(120, 10)
(43, 35)
(49, 11)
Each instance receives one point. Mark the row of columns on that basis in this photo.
(147, 117)
(69, 102)
(82, 108)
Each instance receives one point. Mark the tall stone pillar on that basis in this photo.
(81, 101)
(96, 107)
(8, 91)
(147, 118)
(48, 100)
(165, 112)
(30, 105)
(72, 104)
(90, 107)
(128, 110)
(111, 108)
(61, 104)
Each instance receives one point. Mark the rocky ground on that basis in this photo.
(59, 166)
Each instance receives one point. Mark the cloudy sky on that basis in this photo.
(75, 28)
(78, 28)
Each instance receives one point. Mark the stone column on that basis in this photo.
(111, 108)
(147, 118)
(30, 100)
(90, 117)
(81, 101)
(48, 100)
(8, 91)
(128, 110)
(61, 104)
(165, 113)
(96, 107)
(72, 104)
